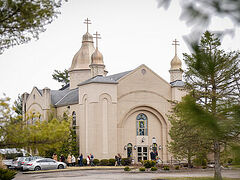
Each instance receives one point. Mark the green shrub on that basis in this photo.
(177, 167)
(96, 162)
(6, 174)
(153, 168)
(166, 168)
(111, 162)
(200, 162)
(127, 168)
(149, 163)
(142, 169)
(104, 162)
(84, 162)
(204, 167)
(126, 161)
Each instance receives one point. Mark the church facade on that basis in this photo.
(124, 113)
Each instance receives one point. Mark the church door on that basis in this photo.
(142, 153)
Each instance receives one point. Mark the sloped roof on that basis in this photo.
(177, 83)
(56, 95)
(71, 97)
(112, 79)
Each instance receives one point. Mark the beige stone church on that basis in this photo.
(122, 113)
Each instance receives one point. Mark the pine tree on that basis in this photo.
(213, 80)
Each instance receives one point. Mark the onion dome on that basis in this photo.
(82, 58)
(176, 63)
(97, 57)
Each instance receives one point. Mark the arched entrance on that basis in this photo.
(140, 127)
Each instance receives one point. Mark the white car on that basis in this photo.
(44, 164)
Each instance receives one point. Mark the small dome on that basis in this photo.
(87, 37)
(97, 57)
(176, 63)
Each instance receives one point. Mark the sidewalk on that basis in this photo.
(77, 168)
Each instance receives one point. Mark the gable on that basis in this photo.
(143, 79)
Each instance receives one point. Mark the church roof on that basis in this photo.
(118, 76)
(112, 79)
(71, 97)
(177, 83)
(57, 95)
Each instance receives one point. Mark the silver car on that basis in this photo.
(44, 164)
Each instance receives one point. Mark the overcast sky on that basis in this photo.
(133, 32)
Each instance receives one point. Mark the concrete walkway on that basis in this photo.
(76, 168)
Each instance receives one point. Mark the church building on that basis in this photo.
(123, 113)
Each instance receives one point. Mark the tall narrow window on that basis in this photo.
(141, 125)
(74, 120)
(129, 150)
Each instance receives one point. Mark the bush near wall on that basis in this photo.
(127, 168)
(142, 169)
(153, 169)
(149, 163)
(104, 162)
(84, 162)
(96, 162)
(166, 168)
(126, 161)
(6, 174)
(111, 162)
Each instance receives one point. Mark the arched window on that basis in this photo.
(74, 120)
(141, 125)
(129, 150)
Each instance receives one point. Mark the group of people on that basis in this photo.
(71, 160)
(118, 159)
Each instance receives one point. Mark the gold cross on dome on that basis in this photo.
(97, 36)
(175, 43)
(87, 21)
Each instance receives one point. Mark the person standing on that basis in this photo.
(62, 158)
(69, 160)
(81, 160)
(88, 160)
(116, 160)
(152, 155)
(119, 159)
(91, 160)
(55, 157)
(73, 160)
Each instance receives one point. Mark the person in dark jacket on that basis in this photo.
(62, 158)
(80, 160)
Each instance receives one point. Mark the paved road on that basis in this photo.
(118, 175)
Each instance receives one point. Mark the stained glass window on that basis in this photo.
(141, 125)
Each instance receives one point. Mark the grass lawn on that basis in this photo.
(235, 166)
(193, 178)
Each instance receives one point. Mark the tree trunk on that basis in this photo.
(217, 168)
(189, 161)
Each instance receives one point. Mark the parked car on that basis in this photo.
(20, 161)
(44, 164)
(8, 163)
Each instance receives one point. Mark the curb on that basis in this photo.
(73, 169)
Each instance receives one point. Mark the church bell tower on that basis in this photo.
(176, 66)
(97, 65)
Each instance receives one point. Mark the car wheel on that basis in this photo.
(37, 168)
(60, 166)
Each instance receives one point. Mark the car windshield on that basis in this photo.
(28, 159)
(20, 159)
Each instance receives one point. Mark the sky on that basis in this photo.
(133, 32)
